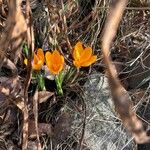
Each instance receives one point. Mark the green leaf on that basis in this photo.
(26, 50)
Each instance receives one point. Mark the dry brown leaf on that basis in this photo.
(11, 93)
(44, 95)
(14, 32)
(10, 86)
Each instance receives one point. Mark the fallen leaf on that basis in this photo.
(44, 95)
(43, 128)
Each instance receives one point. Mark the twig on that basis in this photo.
(119, 94)
(79, 147)
(35, 111)
(28, 77)
(77, 25)
(129, 8)
(65, 26)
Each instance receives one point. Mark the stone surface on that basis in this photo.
(104, 130)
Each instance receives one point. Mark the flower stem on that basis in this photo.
(38, 75)
(41, 82)
(59, 85)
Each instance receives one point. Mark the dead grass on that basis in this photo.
(63, 121)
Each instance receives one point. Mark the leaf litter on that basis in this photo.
(50, 121)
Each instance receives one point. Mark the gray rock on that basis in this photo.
(104, 130)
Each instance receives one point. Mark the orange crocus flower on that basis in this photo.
(38, 60)
(54, 61)
(83, 57)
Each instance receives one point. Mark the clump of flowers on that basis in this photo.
(83, 57)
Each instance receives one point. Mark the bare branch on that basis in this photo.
(120, 96)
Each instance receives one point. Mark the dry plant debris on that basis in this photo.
(120, 96)
(44, 65)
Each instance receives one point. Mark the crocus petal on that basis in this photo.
(62, 60)
(56, 57)
(77, 64)
(48, 57)
(25, 61)
(89, 62)
(35, 59)
(86, 54)
(78, 49)
(40, 54)
(52, 70)
(37, 66)
(57, 68)
(58, 60)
